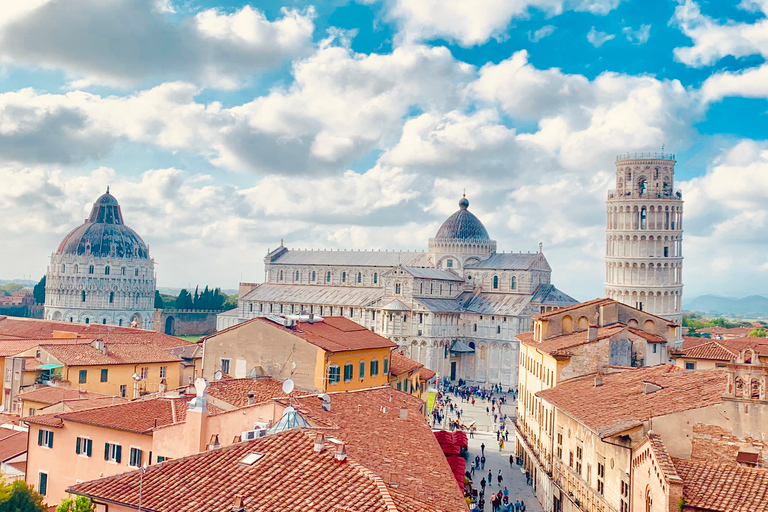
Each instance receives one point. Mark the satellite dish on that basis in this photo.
(217, 375)
(293, 365)
(288, 387)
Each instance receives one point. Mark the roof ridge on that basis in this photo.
(378, 482)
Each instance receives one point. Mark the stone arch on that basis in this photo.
(170, 325)
(632, 323)
(649, 326)
(568, 323)
(583, 323)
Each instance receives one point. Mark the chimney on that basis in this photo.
(319, 443)
(214, 443)
(163, 387)
(403, 413)
(195, 426)
(251, 399)
(592, 333)
(237, 504)
(341, 452)
(598, 380)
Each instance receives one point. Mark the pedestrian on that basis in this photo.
(506, 435)
(500, 478)
(487, 411)
(511, 460)
(506, 496)
(477, 461)
(482, 462)
(522, 506)
(482, 448)
(482, 484)
(472, 433)
(472, 471)
(490, 477)
(517, 505)
(498, 433)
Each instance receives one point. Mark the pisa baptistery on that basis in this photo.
(102, 272)
(644, 260)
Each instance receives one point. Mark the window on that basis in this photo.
(351, 312)
(163, 371)
(83, 446)
(386, 365)
(297, 275)
(90, 269)
(82, 296)
(421, 318)
(348, 372)
(328, 277)
(113, 452)
(570, 459)
(123, 390)
(474, 328)
(144, 372)
(375, 278)
(666, 252)
(333, 374)
(83, 376)
(136, 272)
(405, 386)
(63, 269)
(42, 484)
(122, 271)
(374, 367)
(111, 297)
(624, 496)
(495, 282)
(397, 289)
(399, 386)
(135, 458)
(160, 458)
(359, 277)
(513, 283)
(225, 366)
(559, 445)
(654, 348)
(362, 370)
(689, 365)
(313, 275)
(104, 374)
(45, 438)
(450, 263)
(601, 477)
(106, 271)
(281, 275)
(498, 329)
(87, 320)
(343, 277)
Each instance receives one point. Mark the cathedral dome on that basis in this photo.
(104, 234)
(462, 225)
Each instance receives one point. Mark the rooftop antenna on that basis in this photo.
(288, 389)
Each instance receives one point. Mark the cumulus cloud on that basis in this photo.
(713, 40)
(639, 36)
(538, 35)
(474, 23)
(597, 38)
(217, 48)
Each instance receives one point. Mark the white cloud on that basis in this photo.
(639, 36)
(538, 35)
(597, 38)
(749, 83)
(474, 23)
(713, 40)
(220, 49)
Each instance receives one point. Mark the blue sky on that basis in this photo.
(223, 127)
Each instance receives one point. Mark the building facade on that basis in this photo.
(102, 272)
(644, 233)
(455, 308)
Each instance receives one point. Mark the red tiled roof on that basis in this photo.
(525, 337)
(140, 416)
(12, 419)
(741, 331)
(559, 344)
(723, 487)
(117, 353)
(620, 403)
(89, 403)
(35, 328)
(55, 394)
(235, 391)
(542, 316)
(12, 443)
(426, 373)
(337, 334)
(369, 422)
(11, 347)
(666, 464)
(712, 350)
(692, 341)
(289, 476)
(400, 364)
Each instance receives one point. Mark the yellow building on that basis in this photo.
(327, 354)
(719, 353)
(409, 376)
(120, 369)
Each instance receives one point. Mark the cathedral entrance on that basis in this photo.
(169, 325)
(453, 370)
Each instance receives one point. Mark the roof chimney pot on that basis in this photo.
(598, 380)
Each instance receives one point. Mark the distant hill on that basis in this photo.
(754, 305)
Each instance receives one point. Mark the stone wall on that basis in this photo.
(35, 311)
(185, 322)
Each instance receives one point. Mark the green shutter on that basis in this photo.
(106, 451)
(362, 370)
(50, 440)
(386, 365)
(77, 445)
(88, 447)
(119, 454)
(40, 437)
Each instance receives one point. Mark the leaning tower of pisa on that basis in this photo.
(643, 259)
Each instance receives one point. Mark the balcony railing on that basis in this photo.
(677, 194)
(656, 156)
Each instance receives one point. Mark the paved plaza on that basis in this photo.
(513, 478)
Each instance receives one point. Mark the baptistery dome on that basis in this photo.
(462, 225)
(104, 234)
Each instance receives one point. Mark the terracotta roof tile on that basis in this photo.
(55, 394)
(723, 487)
(620, 402)
(739, 331)
(666, 464)
(289, 476)
(337, 334)
(543, 316)
(692, 341)
(712, 350)
(400, 364)
(12, 419)
(525, 337)
(426, 373)
(11, 347)
(12, 443)
(117, 353)
(559, 345)
(235, 391)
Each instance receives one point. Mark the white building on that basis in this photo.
(102, 272)
(455, 308)
(644, 259)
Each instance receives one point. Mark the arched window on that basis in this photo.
(90, 269)
(397, 289)
(76, 269)
(513, 283)
(359, 277)
(281, 275)
(136, 272)
(495, 282)
(643, 218)
(498, 329)
(104, 321)
(106, 271)
(122, 271)
(343, 277)
(643, 187)
(313, 275)
(375, 278)
(328, 277)
(111, 297)
(120, 322)
(297, 275)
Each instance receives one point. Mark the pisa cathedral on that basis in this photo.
(102, 272)
(456, 307)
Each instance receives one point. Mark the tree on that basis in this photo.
(39, 291)
(79, 504)
(158, 300)
(20, 497)
(757, 333)
(184, 300)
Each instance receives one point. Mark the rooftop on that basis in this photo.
(723, 487)
(559, 345)
(116, 353)
(351, 258)
(463, 225)
(336, 334)
(235, 391)
(712, 350)
(12, 443)
(400, 364)
(286, 475)
(314, 294)
(621, 403)
(55, 394)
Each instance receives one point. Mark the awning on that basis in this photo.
(460, 347)
(49, 366)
